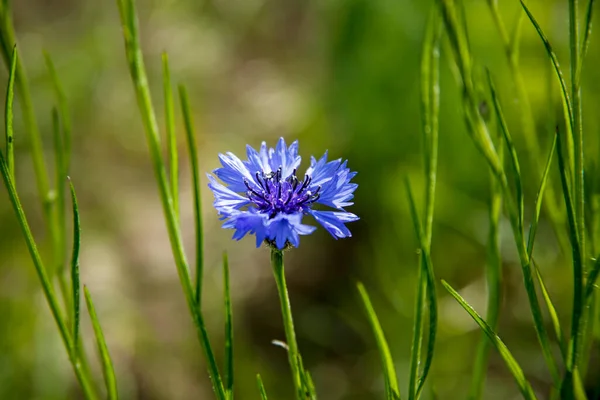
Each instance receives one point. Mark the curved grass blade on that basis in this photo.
(137, 71)
(171, 135)
(514, 160)
(551, 311)
(193, 150)
(389, 372)
(538, 200)
(8, 116)
(493, 275)
(559, 75)
(426, 273)
(228, 330)
(587, 33)
(75, 266)
(506, 355)
(107, 365)
(261, 388)
(47, 287)
(430, 98)
(591, 280)
(63, 109)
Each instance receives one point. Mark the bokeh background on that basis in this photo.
(337, 74)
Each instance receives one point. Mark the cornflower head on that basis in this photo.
(264, 196)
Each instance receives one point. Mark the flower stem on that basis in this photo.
(288, 323)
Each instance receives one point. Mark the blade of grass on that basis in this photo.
(506, 355)
(75, 266)
(539, 199)
(516, 216)
(493, 281)
(591, 279)
(426, 274)
(228, 330)
(107, 366)
(567, 388)
(140, 82)
(512, 151)
(587, 33)
(389, 372)
(430, 97)
(171, 135)
(551, 311)
(8, 120)
(193, 150)
(559, 75)
(63, 109)
(261, 387)
(47, 288)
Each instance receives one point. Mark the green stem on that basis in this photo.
(577, 322)
(47, 288)
(288, 323)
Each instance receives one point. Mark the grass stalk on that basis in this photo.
(138, 74)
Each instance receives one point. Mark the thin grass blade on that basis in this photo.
(511, 363)
(587, 33)
(538, 200)
(107, 366)
(75, 265)
(171, 135)
(8, 115)
(551, 311)
(389, 371)
(591, 279)
(559, 75)
(137, 71)
(193, 151)
(426, 274)
(63, 109)
(261, 388)
(514, 160)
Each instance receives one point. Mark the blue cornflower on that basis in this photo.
(263, 196)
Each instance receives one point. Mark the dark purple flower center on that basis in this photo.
(276, 195)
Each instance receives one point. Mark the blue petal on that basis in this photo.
(333, 222)
(233, 172)
(333, 178)
(226, 200)
(285, 158)
(287, 228)
(248, 222)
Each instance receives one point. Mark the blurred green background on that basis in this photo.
(341, 75)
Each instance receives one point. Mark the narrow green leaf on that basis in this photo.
(493, 274)
(389, 372)
(538, 200)
(75, 265)
(427, 275)
(591, 279)
(8, 115)
(107, 365)
(228, 330)
(63, 109)
(171, 135)
(60, 178)
(559, 75)
(142, 90)
(261, 387)
(511, 150)
(587, 33)
(551, 311)
(506, 355)
(569, 387)
(193, 151)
